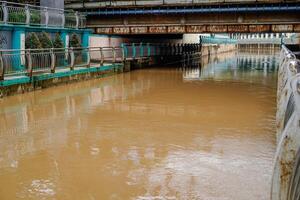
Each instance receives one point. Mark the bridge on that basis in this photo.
(189, 16)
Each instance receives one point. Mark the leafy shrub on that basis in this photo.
(75, 41)
(35, 18)
(18, 17)
(57, 42)
(45, 40)
(32, 41)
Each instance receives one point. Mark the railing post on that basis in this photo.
(63, 18)
(29, 63)
(88, 57)
(77, 19)
(123, 52)
(148, 50)
(5, 12)
(1, 67)
(101, 56)
(52, 55)
(27, 12)
(133, 51)
(72, 56)
(141, 50)
(114, 54)
(46, 16)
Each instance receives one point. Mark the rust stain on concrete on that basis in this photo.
(176, 29)
(282, 28)
(139, 30)
(195, 29)
(121, 30)
(237, 28)
(216, 28)
(157, 29)
(259, 28)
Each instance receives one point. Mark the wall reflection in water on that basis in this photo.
(193, 132)
(242, 65)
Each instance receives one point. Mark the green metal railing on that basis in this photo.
(25, 14)
(30, 61)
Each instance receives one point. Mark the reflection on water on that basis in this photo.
(203, 132)
(243, 66)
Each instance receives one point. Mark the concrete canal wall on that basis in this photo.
(22, 84)
(214, 49)
(285, 183)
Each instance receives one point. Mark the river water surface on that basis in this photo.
(205, 132)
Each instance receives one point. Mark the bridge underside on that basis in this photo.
(233, 18)
(196, 23)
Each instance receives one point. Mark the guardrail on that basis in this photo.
(285, 183)
(30, 61)
(217, 40)
(25, 14)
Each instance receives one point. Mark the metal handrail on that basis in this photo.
(287, 122)
(29, 61)
(26, 14)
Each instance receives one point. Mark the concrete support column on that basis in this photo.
(65, 38)
(52, 4)
(18, 43)
(18, 39)
(85, 38)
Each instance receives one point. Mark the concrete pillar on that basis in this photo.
(18, 43)
(65, 38)
(52, 4)
(85, 38)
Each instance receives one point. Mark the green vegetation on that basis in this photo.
(20, 17)
(35, 18)
(32, 41)
(75, 41)
(45, 40)
(57, 42)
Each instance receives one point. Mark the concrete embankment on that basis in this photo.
(22, 84)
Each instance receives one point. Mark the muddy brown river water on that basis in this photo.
(205, 132)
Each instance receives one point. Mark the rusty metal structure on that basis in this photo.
(189, 16)
(286, 178)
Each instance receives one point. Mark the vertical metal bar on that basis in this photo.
(72, 58)
(63, 19)
(124, 51)
(52, 55)
(148, 50)
(27, 11)
(133, 51)
(101, 56)
(5, 12)
(141, 50)
(114, 54)
(77, 19)
(29, 63)
(88, 57)
(1, 67)
(46, 16)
